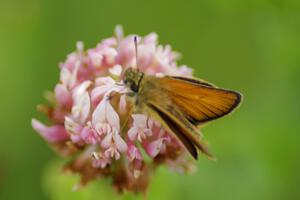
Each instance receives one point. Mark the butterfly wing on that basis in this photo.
(199, 101)
(175, 122)
(181, 103)
(172, 127)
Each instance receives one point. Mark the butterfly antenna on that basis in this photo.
(136, 52)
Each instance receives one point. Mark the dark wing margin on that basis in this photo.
(177, 131)
(183, 129)
(192, 80)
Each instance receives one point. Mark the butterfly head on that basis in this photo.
(133, 78)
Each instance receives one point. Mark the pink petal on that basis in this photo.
(72, 127)
(99, 114)
(150, 39)
(154, 147)
(112, 152)
(63, 96)
(139, 120)
(99, 160)
(147, 132)
(132, 133)
(81, 107)
(104, 81)
(107, 141)
(146, 54)
(56, 133)
(185, 71)
(89, 136)
(79, 46)
(116, 70)
(81, 89)
(68, 77)
(126, 52)
(120, 143)
(99, 92)
(75, 138)
(108, 42)
(103, 128)
(134, 153)
(119, 32)
(117, 155)
(86, 105)
(65, 75)
(96, 58)
(70, 62)
(112, 116)
(109, 56)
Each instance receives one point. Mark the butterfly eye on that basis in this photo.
(134, 87)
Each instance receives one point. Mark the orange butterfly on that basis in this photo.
(180, 104)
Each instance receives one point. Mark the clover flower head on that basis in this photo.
(90, 119)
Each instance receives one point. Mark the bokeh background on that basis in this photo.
(252, 46)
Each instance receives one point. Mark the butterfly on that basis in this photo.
(180, 104)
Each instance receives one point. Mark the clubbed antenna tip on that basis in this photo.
(135, 39)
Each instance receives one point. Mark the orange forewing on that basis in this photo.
(198, 100)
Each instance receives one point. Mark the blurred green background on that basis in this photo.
(252, 46)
